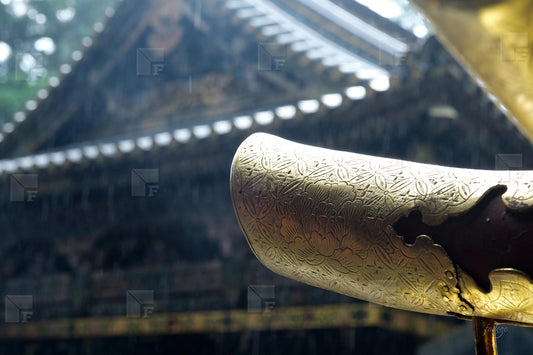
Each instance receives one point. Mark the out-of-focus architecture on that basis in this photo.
(115, 179)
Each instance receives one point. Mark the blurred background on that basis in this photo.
(119, 121)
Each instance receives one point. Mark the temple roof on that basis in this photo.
(236, 65)
(430, 93)
(225, 59)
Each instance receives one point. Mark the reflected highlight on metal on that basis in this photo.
(493, 40)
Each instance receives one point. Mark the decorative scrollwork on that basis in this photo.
(325, 218)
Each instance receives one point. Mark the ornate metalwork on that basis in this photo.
(331, 219)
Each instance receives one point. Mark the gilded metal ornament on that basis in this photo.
(412, 236)
(493, 40)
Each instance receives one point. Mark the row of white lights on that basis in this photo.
(53, 82)
(287, 30)
(181, 135)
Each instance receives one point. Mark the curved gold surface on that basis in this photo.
(326, 218)
(493, 40)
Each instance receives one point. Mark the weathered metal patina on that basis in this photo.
(412, 236)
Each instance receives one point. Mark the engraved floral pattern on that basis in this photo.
(324, 217)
